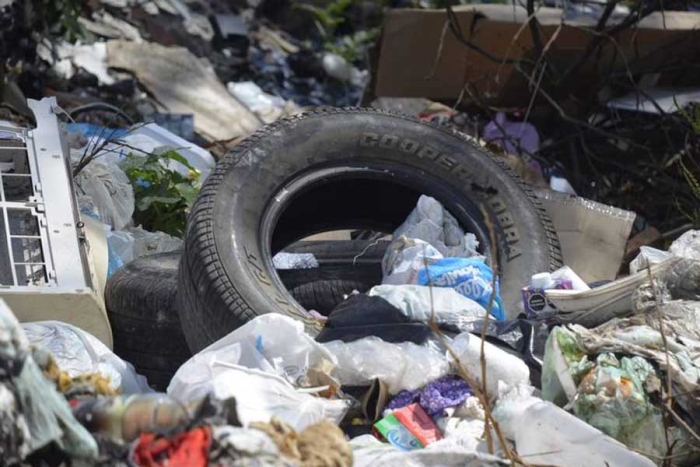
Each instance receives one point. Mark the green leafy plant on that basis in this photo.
(328, 18)
(350, 47)
(163, 195)
(57, 17)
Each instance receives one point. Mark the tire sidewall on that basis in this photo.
(258, 172)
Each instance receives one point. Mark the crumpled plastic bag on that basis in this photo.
(420, 302)
(401, 366)
(432, 223)
(687, 245)
(260, 396)
(104, 186)
(501, 367)
(78, 352)
(271, 343)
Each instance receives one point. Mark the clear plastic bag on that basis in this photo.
(401, 366)
(78, 352)
(110, 191)
(149, 243)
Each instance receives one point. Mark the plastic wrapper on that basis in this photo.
(104, 186)
(78, 353)
(271, 343)
(501, 367)
(469, 277)
(401, 366)
(687, 245)
(420, 302)
(432, 223)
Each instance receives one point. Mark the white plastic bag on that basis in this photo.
(78, 352)
(260, 396)
(419, 302)
(110, 191)
(647, 257)
(272, 343)
(500, 365)
(401, 366)
(432, 223)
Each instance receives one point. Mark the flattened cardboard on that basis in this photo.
(410, 66)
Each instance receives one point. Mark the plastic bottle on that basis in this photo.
(124, 418)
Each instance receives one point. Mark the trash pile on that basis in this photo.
(112, 63)
(344, 287)
(412, 371)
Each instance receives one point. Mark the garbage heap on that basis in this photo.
(422, 370)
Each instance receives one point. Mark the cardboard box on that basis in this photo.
(409, 64)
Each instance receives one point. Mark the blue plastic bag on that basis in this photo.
(469, 277)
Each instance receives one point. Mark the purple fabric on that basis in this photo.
(436, 396)
(513, 137)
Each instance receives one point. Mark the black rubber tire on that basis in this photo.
(142, 309)
(324, 295)
(339, 169)
(343, 252)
